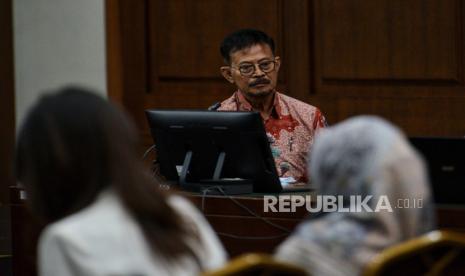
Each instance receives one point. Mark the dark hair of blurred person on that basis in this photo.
(74, 145)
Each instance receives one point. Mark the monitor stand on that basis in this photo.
(215, 185)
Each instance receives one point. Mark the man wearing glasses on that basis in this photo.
(290, 124)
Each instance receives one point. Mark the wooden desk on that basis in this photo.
(227, 217)
(242, 224)
(234, 223)
(25, 231)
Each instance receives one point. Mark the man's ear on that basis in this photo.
(227, 74)
(278, 63)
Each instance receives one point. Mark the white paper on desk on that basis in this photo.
(287, 180)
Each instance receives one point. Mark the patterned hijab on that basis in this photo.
(364, 156)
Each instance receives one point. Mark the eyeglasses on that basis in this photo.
(248, 69)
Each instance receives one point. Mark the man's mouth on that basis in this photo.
(260, 82)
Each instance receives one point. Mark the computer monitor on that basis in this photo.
(446, 167)
(201, 149)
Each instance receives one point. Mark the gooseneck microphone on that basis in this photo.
(214, 106)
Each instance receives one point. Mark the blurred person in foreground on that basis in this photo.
(365, 156)
(77, 158)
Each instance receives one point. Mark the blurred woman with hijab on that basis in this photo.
(363, 156)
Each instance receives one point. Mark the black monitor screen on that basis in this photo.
(213, 148)
(446, 167)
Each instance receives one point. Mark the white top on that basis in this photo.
(103, 239)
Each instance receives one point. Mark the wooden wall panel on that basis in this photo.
(400, 59)
(183, 51)
(425, 116)
(7, 133)
(389, 40)
(165, 54)
(7, 102)
(184, 61)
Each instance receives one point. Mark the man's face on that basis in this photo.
(250, 71)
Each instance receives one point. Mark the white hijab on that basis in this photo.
(363, 156)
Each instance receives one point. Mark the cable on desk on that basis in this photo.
(204, 193)
(155, 170)
(148, 151)
(277, 226)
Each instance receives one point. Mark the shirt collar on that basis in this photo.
(244, 105)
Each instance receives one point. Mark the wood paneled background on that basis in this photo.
(7, 104)
(7, 123)
(400, 59)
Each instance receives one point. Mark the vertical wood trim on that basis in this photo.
(311, 48)
(7, 102)
(147, 46)
(126, 60)
(296, 40)
(280, 44)
(460, 12)
(114, 63)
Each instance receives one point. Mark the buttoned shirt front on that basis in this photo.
(290, 128)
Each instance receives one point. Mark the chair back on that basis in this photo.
(257, 264)
(435, 253)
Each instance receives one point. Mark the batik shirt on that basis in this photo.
(290, 128)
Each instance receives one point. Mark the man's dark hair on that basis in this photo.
(243, 39)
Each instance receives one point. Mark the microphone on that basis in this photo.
(214, 106)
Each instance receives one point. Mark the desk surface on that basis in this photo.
(241, 230)
(243, 225)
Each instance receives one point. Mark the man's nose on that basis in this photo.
(258, 72)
